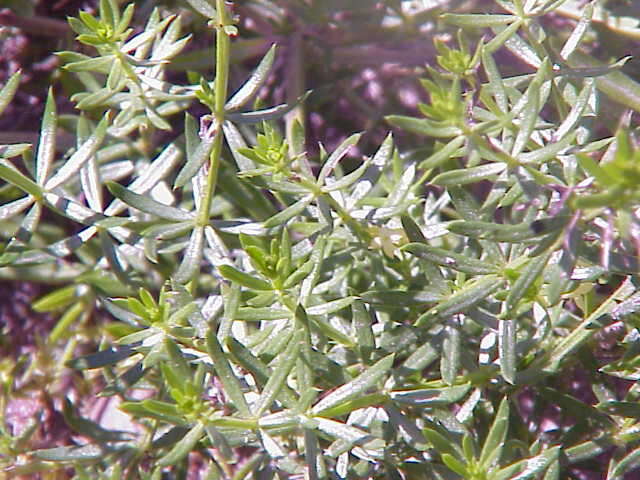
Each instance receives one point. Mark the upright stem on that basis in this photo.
(223, 44)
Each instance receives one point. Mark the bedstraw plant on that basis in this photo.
(412, 314)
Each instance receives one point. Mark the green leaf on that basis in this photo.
(229, 381)
(507, 349)
(148, 205)
(9, 90)
(450, 360)
(590, 166)
(455, 465)
(477, 20)
(14, 177)
(468, 175)
(471, 294)
(627, 464)
(233, 274)
(47, 144)
(286, 361)
(73, 165)
(102, 358)
(423, 126)
(623, 409)
(529, 115)
(431, 396)
(449, 259)
(243, 357)
(442, 444)
(496, 83)
(358, 386)
(89, 428)
(204, 7)
(190, 264)
(194, 162)
(443, 154)
(587, 450)
(494, 443)
(14, 150)
(12, 209)
(578, 109)
(74, 453)
(57, 299)
(337, 155)
(289, 212)
(412, 230)
(236, 142)
(529, 468)
(348, 180)
(253, 84)
(566, 346)
(87, 101)
(578, 32)
(333, 333)
(163, 411)
(503, 35)
(251, 314)
(330, 307)
(164, 163)
(549, 151)
(500, 232)
(362, 325)
(266, 115)
(347, 435)
(529, 275)
(183, 447)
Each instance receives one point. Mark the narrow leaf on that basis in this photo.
(526, 279)
(355, 387)
(194, 162)
(447, 258)
(253, 83)
(190, 264)
(9, 90)
(423, 126)
(47, 144)
(89, 452)
(266, 115)
(443, 154)
(286, 361)
(362, 326)
(233, 274)
(337, 155)
(148, 205)
(469, 175)
(80, 157)
(330, 307)
(471, 294)
(431, 396)
(507, 349)
(101, 359)
(578, 32)
(183, 447)
(229, 381)
(478, 21)
(204, 7)
(289, 212)
(11, 209)
(347, 435)
(450, 361)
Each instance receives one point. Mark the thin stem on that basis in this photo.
(223, 44)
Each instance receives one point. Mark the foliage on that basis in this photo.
(412, 316)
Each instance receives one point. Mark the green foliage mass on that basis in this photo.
(412, 315)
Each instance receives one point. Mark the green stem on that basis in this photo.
(356, 227)
(223, 45)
